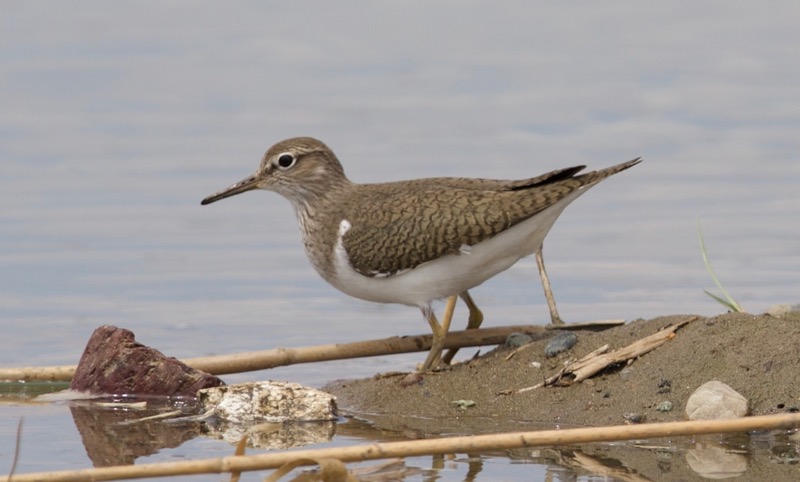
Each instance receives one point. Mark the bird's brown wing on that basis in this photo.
(405, 224)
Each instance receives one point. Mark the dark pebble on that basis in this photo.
(560, 343)
(516, 340)
(634, 417)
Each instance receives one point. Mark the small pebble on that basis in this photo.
(411, 379)
(536, 364)
(665, 406)
(463, 404)
(560, 343)
(516, 340)
(634, 417)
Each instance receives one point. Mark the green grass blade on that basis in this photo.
(728, 301)
(722, 301)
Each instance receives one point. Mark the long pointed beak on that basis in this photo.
(247, 184)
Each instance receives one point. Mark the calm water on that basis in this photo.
(118, 118)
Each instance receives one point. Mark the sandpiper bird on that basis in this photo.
(413, 242)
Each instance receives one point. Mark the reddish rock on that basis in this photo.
(114, 363)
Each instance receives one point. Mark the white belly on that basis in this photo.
(454, 273)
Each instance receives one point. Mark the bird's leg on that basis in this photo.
(439, 332)
(474, 322)
(475, 315)
(548, 291)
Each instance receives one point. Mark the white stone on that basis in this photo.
(715, 400)
(268, 402)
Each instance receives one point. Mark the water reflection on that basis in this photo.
(273, 436)
(109, 440)
(716, 462)
(121, 433)
(683, 458)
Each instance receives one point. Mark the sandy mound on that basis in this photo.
(759, 356)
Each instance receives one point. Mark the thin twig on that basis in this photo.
(261, 360)
(598, 359)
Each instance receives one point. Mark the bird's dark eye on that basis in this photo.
(286, 160)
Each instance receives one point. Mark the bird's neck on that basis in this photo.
(318, 216)
(314, 203)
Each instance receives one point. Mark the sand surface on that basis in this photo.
(757, 355)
